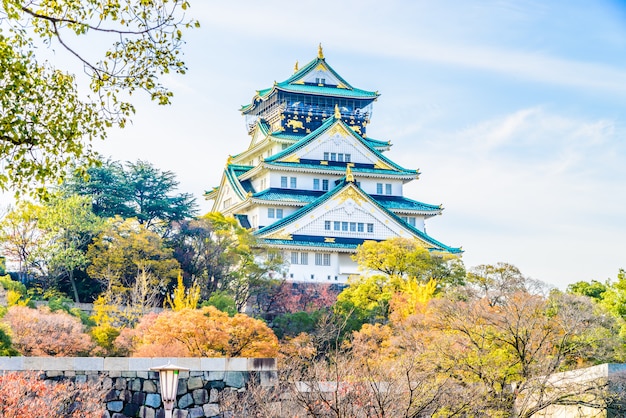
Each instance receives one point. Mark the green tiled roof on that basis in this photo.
(342, 168)
(325, 126)
(289, 195)
(399, 202)
(310, 207)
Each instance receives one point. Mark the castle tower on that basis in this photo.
(311, 182)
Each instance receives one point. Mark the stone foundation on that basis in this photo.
(134, 390)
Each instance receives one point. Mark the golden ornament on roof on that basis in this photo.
(320, 52)
(295, 67)
(337, 112)
(349, 175)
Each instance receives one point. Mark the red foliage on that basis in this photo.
(297, 297)
(39, 332)
(24, 394)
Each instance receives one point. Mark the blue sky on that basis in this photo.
(512, 110)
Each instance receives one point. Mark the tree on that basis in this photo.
(39, 332)
(46, 123)
(206, 332)
(135, 190)
(69, 226)
(25, 394)
(217, 253)
(126, 251)
(21, 236)
(406, 258)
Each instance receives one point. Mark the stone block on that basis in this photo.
(268, 378)
(115, 406)
(196, 373)
(12, 363)
(131, 409)
(180, 413)
(118, 415)
(149, 386)
(140, 364)
(261, 364)
(89, 363)
(185, 401)
(126, 396)
(213, 364)
(81, 378)
(196, 412)
(129, 374)
(182, 387)
(69, 373)
(54, 373)
(153, 400)
(214, 396)
(194, 383)
(142, 374)
(107, 382)
(112, 395)
(211, 410)
(238, 364)
(216, 384)
(135, 385)
(146, 412)
(115, 373)
(200, 396)
(120, 383)
(139, 398)
(235, 379)
(115, 364)
(214, 375)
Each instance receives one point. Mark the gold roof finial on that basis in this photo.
(229, 161)
(349, 175)
(337, 112)
(320, 52)
(295, 67)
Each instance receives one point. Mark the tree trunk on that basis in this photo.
(74, 288)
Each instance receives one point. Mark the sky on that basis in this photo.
(513, 111)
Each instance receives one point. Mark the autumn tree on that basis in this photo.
(39, 332)
(69, 226)
(25, 394)
(217, 253)
(21, 236)
(47, 123)
(206, 332)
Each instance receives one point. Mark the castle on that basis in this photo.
(312, 183)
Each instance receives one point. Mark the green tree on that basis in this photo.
(21, 237)
(136, 190)
(46, 123)
(126, 251)
(69, 226)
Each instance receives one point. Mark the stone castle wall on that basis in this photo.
(133, 390)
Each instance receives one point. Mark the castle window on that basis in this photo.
(336, 225)
(312, 276)
(293, 182)
(352, 226)
(340, 157)
(370, 228)
(344, 226)
(326, 156)
(316, 184)
(387, 188)
(279, 213)
(333, 156)
(347, 158)
(304, 258)
(360, 226)
(325, 185)
(318, 259)
(295, 257)
(327, 260)
(379, 188)
(327, 225)
(412, 220)
(283, 182)
(270, 213)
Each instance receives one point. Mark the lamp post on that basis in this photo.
(168, 376)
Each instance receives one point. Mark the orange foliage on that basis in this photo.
(26, 395)
(206, 332)
(39, 332)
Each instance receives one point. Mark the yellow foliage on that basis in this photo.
(412, 298)
(15, 298)
(183, 297)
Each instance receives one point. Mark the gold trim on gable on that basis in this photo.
(293, 158)
(281, 235)
(350, 193)
(338, 130)
(384, 166)
(328, 239)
